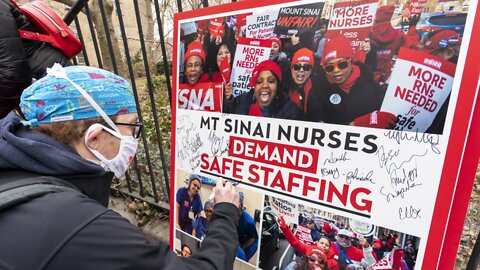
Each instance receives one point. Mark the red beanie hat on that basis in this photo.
(303, 55)
(384, 13)
(277, 40)
(337, 47)
(265, 65)
(442, 39)
(315, 250)
(195, 48)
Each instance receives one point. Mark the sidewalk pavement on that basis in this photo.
(154, 230)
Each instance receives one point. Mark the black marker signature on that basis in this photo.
(409, 212)
(335, 173)
(401, 183)
(400, 135)
(353, 176)
(332, 160)
(386, 159)
(219, 144)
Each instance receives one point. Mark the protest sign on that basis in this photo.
(189, 28)
(419, 86)
(361, 228)
(250, 52)
(416, 7)
(294, 18)
(261, 25)
(354, 20)
(284, 208)
(216, 27)
(201, 96)
(303, 234)
(390, 262)
(369, 180)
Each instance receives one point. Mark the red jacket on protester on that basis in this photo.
(302, 248)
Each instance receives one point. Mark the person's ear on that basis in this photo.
(93, 138)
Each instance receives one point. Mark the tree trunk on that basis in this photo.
(149, 35)
(101, 34)
(102, 37)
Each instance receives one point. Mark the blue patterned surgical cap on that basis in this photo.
(54, 98)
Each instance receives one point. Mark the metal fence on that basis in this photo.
(149, 178)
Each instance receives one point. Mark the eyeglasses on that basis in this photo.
(314, 258)
(196, 65)
(208, 211)
(305, 67)
(137, 131)
(344, 237)
(342, 64)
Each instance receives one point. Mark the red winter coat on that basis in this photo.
(302, 248)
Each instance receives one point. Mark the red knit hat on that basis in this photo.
(315, 250)
(277, 40)
(195, 48)
(442, 39)
(337, 47)
(265, 65)
(384, 13)
(303, 55)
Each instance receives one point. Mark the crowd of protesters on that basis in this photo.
(315, 77)
(341, 248)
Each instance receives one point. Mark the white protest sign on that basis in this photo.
(286, 209)
(250, 52)
(354, 20)
(362, 228)
(419, 86)
(261, 25)
(189, 28)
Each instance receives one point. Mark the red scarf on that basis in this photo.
(348, 84)
(255, 110)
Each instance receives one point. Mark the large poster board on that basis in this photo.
(333, 158)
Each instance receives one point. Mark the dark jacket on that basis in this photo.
(15, 74)
(73, 230)
(281, 107)
(20, 59)
(328, 103)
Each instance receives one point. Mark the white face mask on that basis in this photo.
(119, 164)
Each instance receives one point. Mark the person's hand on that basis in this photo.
(226, 192)
(376, 119)
(228, 91)
(295, 40)
(363, 242)
(218, 40)
(414, 20)
(281, 222)
(365, 46)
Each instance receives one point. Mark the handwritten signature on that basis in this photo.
(386, 159)
(400, 135)
(408, 212)
(332, 160)
(219, 145)
(401, 183)
(353, 176)
(335, 173)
